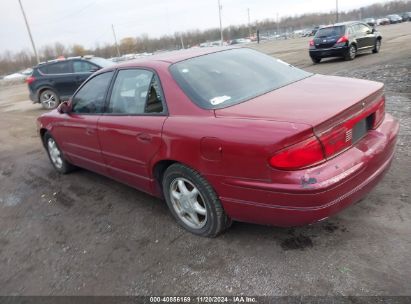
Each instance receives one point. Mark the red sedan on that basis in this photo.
(227, 134)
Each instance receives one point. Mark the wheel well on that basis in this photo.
(41, 90)
(42, 132)
(158, 173)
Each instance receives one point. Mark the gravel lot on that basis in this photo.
(84, 234)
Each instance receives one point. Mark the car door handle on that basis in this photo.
(144, 137)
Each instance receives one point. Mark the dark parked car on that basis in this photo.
(57, 80)
(394, 18)
(344, 40)
(227, 134)
(406, 16)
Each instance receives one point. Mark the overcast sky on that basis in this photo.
(89, 21)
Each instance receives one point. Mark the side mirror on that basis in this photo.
(373, 31)
(64, 107)
(94, 70)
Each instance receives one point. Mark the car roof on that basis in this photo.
(175, 56)
(42, 64)
(347, 23)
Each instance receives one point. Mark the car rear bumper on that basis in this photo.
(330, 52)
(316, 193)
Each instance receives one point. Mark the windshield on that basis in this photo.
(104, 63)
(226, 78)
(330, 31)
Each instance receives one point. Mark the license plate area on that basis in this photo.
(361, 128)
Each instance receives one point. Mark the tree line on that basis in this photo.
(14, 61)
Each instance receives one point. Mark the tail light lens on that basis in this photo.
(336, 139)
(379, 114)
(312, 42)
(302, 155)
(30, 79)
(314, 151)
(342, 39)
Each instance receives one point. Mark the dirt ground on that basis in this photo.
(84, 234)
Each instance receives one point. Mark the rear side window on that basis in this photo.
(136, 91)
(63, 67)
(80, 66)
(331, 31)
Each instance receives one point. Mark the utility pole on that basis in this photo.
(249, 27)
(220, 7)
(28, 30)
(336, 10)
(115, 40)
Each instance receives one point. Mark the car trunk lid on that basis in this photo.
(340, 110)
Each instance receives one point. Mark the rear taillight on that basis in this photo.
(336, 140)
(342, 39)
(312, 42)
(340, 137)
(379, 114)
(302, 155)
(30, 79)
(330, 142)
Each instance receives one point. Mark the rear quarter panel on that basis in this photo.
(227, 147)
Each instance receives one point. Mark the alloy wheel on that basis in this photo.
(352, 52)
(55, 154)
(188, 203)
(49, 100)
(378, 45)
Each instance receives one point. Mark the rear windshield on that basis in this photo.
(226, 78)
(330, 31)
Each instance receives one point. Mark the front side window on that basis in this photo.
(226, 78)
(364, 28)
(136, 91)
(91, 97)
(80, 66)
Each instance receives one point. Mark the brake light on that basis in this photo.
(336, 140)
(379, 114)
(30, 79)
(312, 42)
(342, 39)
(301, 155)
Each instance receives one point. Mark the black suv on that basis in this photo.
(344, 40)
(56, 80)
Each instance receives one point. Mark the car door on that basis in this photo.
(370, 36)
(77, 131)
(82, 70)
(364, 36)
(60, 78)
(130, 131)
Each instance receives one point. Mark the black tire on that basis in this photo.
(49, 99)
(65, 166)
(351, 53)
(377, 46)
(215, 221)
(316, 60)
